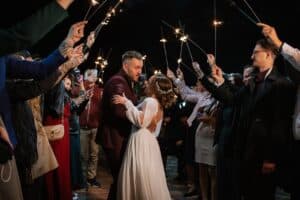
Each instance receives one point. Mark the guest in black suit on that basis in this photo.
(263, 123)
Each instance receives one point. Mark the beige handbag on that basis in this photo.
(55, 132)
(46, 161)
(46, 158)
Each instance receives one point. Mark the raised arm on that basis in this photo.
(40, 69)
(290, 53)
(17, 68)
(24, 89)
(32, 29)
(185, 92)
(220, 89)
(141, 117)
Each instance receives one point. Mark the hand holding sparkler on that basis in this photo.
(179, 73)
(171, 74)
(217, 75)
(216, 72)
(75, 58)
(270, 33)
(76, 32)
(77, 55)
(198, 70)
(91, 39)
(211, 60)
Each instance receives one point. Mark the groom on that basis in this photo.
(114, 127)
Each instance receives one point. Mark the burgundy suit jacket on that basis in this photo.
(114, 127)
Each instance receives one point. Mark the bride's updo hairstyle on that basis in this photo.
(162, 88)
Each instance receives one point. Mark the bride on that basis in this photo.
(142, 175)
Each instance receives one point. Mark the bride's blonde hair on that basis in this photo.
(162, 88)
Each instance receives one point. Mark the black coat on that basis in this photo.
(262, 123)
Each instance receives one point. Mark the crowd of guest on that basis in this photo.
(235, 136)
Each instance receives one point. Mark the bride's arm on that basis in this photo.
(142, 117)
(134, 115)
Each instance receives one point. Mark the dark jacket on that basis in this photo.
(263, 128)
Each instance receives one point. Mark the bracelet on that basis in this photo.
(280, 47)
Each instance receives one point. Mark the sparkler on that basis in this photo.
(101, 63)
(181, 33)
(233, 4)
(183, 38)
(216, 24)
(179, 60)
(145, 66)
(104, 22)
(251, 9)
(92, 4)
(164, 41)
(189, 50)
(107, 18)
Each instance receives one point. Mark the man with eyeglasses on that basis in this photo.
(292, 55)
(263, 126)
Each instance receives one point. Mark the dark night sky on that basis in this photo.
(139, 27)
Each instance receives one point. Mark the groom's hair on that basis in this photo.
(128, 55)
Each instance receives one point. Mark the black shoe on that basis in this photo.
(93, 183)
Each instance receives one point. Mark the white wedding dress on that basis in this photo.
(142, 175)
